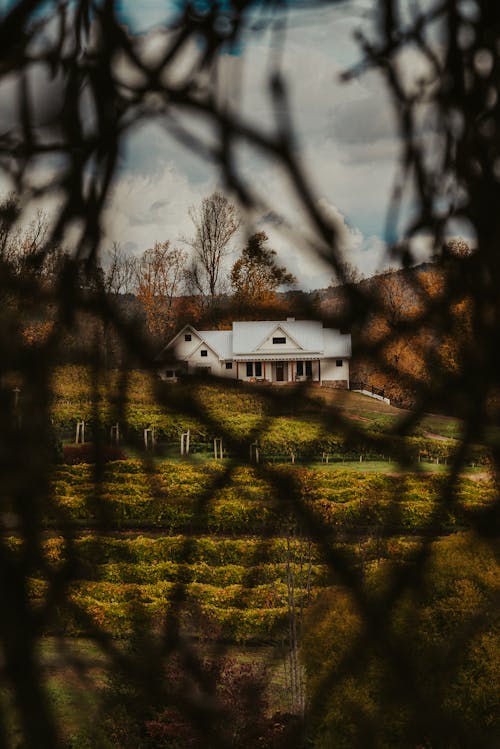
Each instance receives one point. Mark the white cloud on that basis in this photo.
(345, 135)
(143, 209)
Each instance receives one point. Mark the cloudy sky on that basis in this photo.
(345, 133)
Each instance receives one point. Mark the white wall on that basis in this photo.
(330, 371)
(229, 373)
(210, 360)
(182, 348)
(217, 368)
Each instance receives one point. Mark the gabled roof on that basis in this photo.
(220, 341)
(181, 331)
(248, 336)
(279, 327)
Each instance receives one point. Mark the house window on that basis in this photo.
(300, 368)
(278, 339)
(203, 352)
(258, 369)
(339, 362)
(309, 369)
(187, 337)
(249, 369)
(229, 365)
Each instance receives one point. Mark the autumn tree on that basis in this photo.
(159, 278)
(456, 248)
(256, 275)
(215, 222)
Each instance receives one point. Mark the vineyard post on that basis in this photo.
(218, 448)
(254, 452)
(17, 415)
(149, 438)
(185, 443)
(80, 433)
(115, 434)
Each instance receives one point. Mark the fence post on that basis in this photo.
(17, 415)
(80, 433)
(185, 442)
(115, 434)
(218, 453)
(149, 438)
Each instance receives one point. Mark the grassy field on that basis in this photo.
(288, 429)
(74, 394)
(388, 467)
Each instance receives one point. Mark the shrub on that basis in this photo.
(447, 684)
(89, 453)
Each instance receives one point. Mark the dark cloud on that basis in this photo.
(273, 218)
(365, 120)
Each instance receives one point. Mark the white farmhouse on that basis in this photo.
(264, 351)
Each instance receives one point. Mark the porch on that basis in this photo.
(279, 371)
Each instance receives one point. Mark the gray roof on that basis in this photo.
(220, 341)
(308, 334)
(248, 336)
(244, 340)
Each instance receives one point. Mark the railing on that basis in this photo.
(356, 385)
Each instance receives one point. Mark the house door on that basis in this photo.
(280, 371)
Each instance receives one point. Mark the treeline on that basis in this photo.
(419, 329)
(167, 285)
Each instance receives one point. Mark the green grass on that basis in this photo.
(378, 466)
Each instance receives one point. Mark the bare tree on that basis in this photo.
(120, 271)
(215, 222)
(348, 274)
(25, 248)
